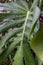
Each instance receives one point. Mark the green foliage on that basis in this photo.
(37, 44)
(18, 58)
(23, 21)
(28, 57)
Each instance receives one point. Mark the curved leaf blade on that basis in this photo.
(18, 58)
(28, 56)
(9, 50)
(37, 44)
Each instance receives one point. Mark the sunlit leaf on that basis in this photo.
(37, 43)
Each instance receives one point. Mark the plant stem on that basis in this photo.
(25, 26)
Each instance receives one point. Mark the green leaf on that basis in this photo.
(20, 12)
(8, 36)
(35, 18)
(11, 15)
(28, 56)
(10, 49)
(18, 58)
(18, 8)
(9, 24)
(24, 4)
(37, 43)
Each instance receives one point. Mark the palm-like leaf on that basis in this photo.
(19, 18)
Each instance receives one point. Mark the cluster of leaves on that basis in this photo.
(17, 29)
